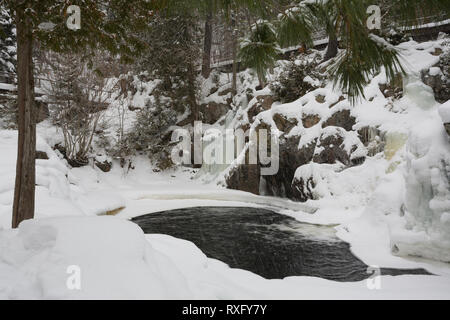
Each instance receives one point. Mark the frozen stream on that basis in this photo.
(271, 245)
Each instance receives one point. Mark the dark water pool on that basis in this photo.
(271, 245)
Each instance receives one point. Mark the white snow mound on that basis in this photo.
(108, 257)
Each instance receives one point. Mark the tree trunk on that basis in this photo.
(206, 67)
(234, 48)
(332, 49)
(262, 82)
(23, 207)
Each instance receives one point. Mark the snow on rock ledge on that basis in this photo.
(115, 260)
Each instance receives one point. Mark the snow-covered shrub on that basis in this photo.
(299, 77)
(8, 58)
(8, 115)
(77, 100)
(150, 129)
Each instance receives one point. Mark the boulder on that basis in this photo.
(213, 111)
(435, 78)
(342, 118)
(41, 155)
(105, 165)
(310, 120)
(336, 145)
(245, 177)
(263, 103)
(284, 124)
(331, 149)
(290, 157)
(320, 98)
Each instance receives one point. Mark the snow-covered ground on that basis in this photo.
(117, 260)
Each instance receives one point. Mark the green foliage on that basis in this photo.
(150, 132)
(260, 51)
(364, 54)
(112, 25)
(173, 44)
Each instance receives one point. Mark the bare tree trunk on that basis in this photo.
(206, 67)
(23, 207)
(332, 49)
(192, 97)
(234, 48)
(262, 81)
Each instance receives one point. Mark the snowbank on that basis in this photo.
(58, 190)
(42, 260)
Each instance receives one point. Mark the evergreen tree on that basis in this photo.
(260, 51)
(364, 52)
(111, 25)
(171, 56)
(8, 59)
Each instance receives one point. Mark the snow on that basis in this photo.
(57, 190)
(35, 260)
(444, 111)
(393, 209)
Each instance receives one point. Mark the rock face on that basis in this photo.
(291, 157)
(263, 103)
(342, 119)
(284, 124)
(438, 82)
(438, 78)
(336, 143)
(310, 120)
(245, 178)
(331, 149)
(213, 112)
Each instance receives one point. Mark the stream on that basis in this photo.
(264, 242)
